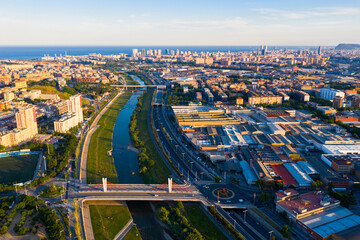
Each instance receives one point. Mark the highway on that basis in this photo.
(189, 160)
(168, 147)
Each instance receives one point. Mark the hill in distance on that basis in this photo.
(347, 46)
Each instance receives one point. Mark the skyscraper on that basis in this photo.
(26, 119)
(143, 53)
(264, 50)
(319, 50)
(75, 106)
(134, 52)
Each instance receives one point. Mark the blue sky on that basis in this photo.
(196, 22)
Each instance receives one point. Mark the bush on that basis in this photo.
(223, 221)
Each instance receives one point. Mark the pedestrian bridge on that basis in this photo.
(139, 86)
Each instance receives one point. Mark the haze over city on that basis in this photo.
(179, 22)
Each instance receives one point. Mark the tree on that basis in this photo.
(319, 184)
(286, 231)
(143, 170)
(179, 205)
(217, 179)
(163, 214)
(260, 183)
(52, 188)
(151, 163)
(265, 197)
(330, 185)
(313, 185)
(194, 235)
(2, 148)
(3, 230)
(346, 199)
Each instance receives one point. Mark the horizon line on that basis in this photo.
(171, 45)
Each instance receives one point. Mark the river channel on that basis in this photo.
(127, 168)
(125, 156)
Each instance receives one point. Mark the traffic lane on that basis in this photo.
(244, 226)
(180, 146)
(164, 141)
(184, 164)
(186, 147)
(253, 222)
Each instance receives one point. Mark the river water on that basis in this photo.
(125, 158)
(127, 168)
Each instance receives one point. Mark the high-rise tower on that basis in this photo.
(26, 119)
(75, 106)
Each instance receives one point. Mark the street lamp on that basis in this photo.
(270, 233)
(245, 215)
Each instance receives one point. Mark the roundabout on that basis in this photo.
(223, 193)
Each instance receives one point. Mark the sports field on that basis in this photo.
(17, 169)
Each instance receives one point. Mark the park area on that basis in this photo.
(108, 220)
(17, 169)
(99, 163)
(159, 172)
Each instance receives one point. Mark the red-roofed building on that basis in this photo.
(288, 179)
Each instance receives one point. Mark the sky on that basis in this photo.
(179, 22)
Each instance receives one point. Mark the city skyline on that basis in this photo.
(200, 23)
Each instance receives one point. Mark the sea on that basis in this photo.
(36, 52)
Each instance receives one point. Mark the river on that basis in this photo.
(125, 159)
(127, 168)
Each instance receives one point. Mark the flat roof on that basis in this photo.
(313, 202)
(341, 149)
(333, 220)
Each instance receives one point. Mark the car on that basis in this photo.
(155, 195)
(228, 201)
(206, 186)
(241, 200)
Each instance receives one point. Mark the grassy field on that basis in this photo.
(99, 164)
(108, 220)
(159, 172)
(130, 80)
(50, 90)
(202, 223)
(133, 234)
(17, 168)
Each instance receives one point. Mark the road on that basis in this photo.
(86, 141)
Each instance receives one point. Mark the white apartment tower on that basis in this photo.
(329, 93)
(26, 119)
(134, 52)
(75, 106)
